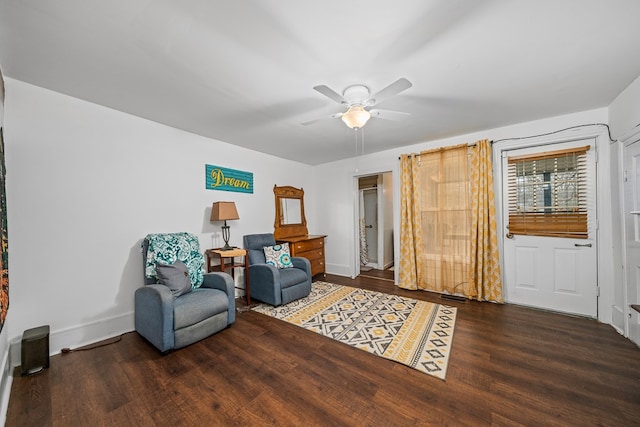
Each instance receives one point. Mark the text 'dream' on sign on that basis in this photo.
(219, 178)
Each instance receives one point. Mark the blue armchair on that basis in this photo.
(170, 318)
(275, 286)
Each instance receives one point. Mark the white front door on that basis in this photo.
(632, 235)
(554, 273)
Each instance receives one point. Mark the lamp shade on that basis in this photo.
(222, 211)
(356, 117)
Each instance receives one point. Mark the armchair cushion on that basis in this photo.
(278, 255)
(199, 305)
(292, 276)
(175, 276)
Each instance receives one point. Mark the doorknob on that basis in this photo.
(586, 245)
(368, 226)
(510, 236)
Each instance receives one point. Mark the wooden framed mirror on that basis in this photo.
(290, 220)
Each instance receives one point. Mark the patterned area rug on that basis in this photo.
(415, 333)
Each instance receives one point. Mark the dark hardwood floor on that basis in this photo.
(379, 274)
(509, 366)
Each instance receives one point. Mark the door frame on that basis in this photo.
(356, 175)
(379, 213)
(604, 189)
(632, 137)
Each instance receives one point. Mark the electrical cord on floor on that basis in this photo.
(67, 350)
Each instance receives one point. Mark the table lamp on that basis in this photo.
(223, 211)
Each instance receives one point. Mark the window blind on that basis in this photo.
(547, 194)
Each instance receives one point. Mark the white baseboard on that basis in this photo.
(339, 269)
(80, 335)
(5, 387)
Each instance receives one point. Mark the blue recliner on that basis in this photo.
(169, 318)
(275, 286)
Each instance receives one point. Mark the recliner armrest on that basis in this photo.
(265, 283)
(154, 315)
(218, 280)
(264, 272)
(302, 263)
(223, 282)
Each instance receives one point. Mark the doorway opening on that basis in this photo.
(375, 226)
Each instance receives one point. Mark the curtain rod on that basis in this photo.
(471, 144)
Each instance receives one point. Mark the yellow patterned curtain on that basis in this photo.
(448, 235)
(485, 283)
(446, 219)
(411, 247)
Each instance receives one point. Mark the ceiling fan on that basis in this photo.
(360, 103)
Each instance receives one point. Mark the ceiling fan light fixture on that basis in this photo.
(356, 117)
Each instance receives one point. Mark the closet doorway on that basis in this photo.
(375, 225)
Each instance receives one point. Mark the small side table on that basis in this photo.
(230, 256)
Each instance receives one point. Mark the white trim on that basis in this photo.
(623, 250)
(355, 195)
(5, 386)
(631, 136)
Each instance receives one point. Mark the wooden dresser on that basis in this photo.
(309, 247)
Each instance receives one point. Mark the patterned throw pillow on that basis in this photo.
(278, 255)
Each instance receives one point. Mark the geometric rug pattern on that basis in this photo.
(415, 333)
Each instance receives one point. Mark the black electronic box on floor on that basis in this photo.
(35, 350)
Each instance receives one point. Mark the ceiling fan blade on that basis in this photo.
(330, 93)
(389, 115)
(391, 90)
(331, 116)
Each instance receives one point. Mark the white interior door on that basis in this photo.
(632, 235)
(553, 273)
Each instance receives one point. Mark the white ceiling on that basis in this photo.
(243, 72)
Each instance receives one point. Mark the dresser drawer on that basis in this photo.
(307, 245)
(317, 267)
(312, 255)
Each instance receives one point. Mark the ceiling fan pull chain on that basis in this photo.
(355, 134)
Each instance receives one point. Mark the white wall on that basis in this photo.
(86, 183)
(624, 111)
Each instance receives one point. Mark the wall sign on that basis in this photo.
(219, 178)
